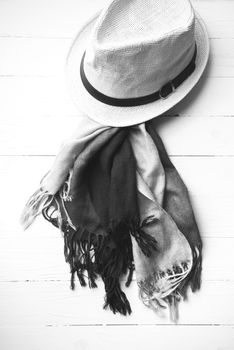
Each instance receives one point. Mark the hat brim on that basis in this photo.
(127, 116)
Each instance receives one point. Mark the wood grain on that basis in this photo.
(104, 337)
(62, 19)
(183, 136)
(53, 303)
(38, 310)
(45, 57)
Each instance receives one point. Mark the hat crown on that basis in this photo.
(128, 22)
(137, 46)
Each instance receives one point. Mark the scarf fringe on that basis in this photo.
(197, 269)
(67, 187)
(39, 201)
(110, 256)
(180, 277)
(115, 298)
(90, 255)
(173, 303)
(80, 255)
(194, 278)
(130, 274)
(146, 242)
(162, 289)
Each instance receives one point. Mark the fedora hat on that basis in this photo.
(136, 59)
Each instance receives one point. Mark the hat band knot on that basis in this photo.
(162, 93)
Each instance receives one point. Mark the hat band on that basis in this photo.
(162, 93)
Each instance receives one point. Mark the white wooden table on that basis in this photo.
(37, 308)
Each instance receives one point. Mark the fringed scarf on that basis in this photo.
(122, 206)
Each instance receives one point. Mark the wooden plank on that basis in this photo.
(33, 56)
(38, 309)
(21, 257)
(32, 97)
(213, 221)
(46, 56)
(131, 337)
(205, 136)
(53, 303)
(209, 180)
(56, 18)
(63, 18)
(44, 135)
(204, 176)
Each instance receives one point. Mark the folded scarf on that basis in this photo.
(121, 205)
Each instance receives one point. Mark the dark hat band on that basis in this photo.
(162, 93)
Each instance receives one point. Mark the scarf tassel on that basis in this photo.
(154, 294)
(90, 255)
(97, 254)
(40, 200)
(130, 274)
(196, 279)
(146, 242)
(115, 298)
(173, 302)
(109, 256)
(193, 280)
(85, 251)
(164, 288)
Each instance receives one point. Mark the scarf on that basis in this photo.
(122, 206)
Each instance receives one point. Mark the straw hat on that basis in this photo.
(136, 59)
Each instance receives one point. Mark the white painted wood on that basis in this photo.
(209, 180)
(38, 310)
(48, 18)
(33, 56)
(204, 176)
(185, 136)
(62, 18)
(46, 56)
(54, 303)
(21, 257)
(216, 225)
(35, 96)
(131, 337)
